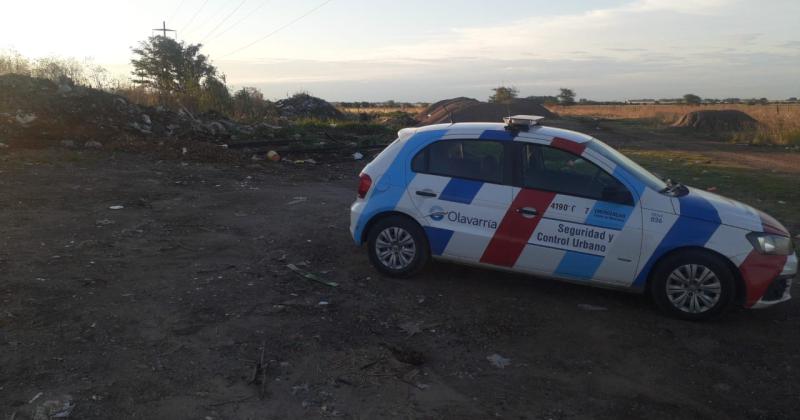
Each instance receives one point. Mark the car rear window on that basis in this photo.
(469, 159)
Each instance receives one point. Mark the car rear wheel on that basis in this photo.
(692, 285)
(397, 246)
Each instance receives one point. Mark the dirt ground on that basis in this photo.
(163, 309)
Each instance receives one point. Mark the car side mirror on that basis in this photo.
(617, 194)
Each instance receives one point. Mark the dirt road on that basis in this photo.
(163, 308)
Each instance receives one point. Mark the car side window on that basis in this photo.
(551, 169)
(479, 160)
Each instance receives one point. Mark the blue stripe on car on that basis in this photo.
(695, 225)
(438, 239)
(460, 190)
(391, 186)
(578, 265)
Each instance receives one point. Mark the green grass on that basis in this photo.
(775, 193)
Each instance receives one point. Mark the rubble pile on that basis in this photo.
(471, 110)
(303, 105)
(39, 111)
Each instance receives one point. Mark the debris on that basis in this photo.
(35, 397)
(323, 303)
(405, 354)
(92, 144)
(587, 307)
(358, 156)
(301, 161)
(498, 361)
(411, 328)
(57, 408)
(25, 119)
(305, 105)
(116, 207)
(311, 276)
(273, 156)
(781, 202)
(297, 200)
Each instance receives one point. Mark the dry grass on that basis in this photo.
(383, 109)
(779, 123)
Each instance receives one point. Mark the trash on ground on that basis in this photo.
(57, 408)
(117, 207)
(587, 307)
(411, 328)
(358, 156)
(310, 276)
(273, 156)
(498, 361)
(297, 200)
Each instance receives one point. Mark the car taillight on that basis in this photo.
(363, 185)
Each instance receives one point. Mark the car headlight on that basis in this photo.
(767, 243)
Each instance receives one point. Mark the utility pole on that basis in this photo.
(163, 29)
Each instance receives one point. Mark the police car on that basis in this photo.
(555, 203)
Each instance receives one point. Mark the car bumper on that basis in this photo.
(780, 288)
(356, 210)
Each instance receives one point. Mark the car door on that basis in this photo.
(578, 220)
(461, 188)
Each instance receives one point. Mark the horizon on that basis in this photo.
(348, 51)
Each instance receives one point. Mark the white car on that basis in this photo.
(555, 203)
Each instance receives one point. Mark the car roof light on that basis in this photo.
(522, 121)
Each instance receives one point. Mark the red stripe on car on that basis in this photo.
(514, 231)
(771, 225)
(568, 145)
(758, 271)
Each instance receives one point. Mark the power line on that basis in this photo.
(223, 21)
(299, 18)
(194, 16)
(245, 17)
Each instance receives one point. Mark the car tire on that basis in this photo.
(692, 285)
(397, 246)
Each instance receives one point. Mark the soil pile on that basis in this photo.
(472, 110)
(717, 120)
(303, 105)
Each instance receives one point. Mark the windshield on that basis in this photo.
(632, 167)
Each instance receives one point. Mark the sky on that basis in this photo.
(426, 50)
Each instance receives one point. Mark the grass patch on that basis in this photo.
(774, 193)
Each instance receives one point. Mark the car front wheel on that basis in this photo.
(692, 286)
(397, 246)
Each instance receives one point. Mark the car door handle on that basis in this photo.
(527, 212)
(426, 193)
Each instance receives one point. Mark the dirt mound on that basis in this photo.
(472, 110)
(717, 120)
(303, 105)
(43, 112)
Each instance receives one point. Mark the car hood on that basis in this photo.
(715, 208)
